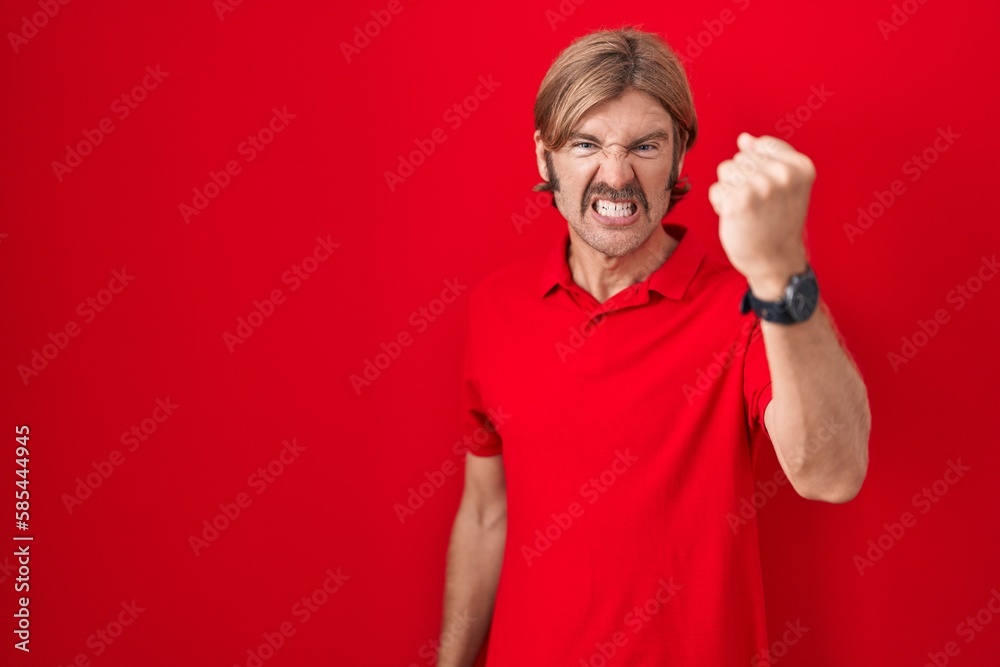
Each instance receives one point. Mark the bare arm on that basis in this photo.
(818, 417)
(475, 554)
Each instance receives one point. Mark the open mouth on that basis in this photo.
(615, 212)
(614, 209)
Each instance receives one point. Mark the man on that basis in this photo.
(617, 391)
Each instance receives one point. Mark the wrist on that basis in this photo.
(794, 303)
(770, 285)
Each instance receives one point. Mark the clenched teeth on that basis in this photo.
(611, 209)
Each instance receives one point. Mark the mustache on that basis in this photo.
(630, 191)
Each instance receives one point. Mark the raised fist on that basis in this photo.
(761, 197)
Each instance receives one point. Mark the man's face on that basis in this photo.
(613, 177)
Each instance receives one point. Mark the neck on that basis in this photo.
(603, 277)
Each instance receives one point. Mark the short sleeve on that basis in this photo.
(479, 434)
(756, 380)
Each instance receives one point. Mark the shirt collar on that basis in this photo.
(671, 279)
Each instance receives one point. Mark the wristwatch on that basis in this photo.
(799, 302)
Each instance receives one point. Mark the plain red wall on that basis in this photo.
(324, 175)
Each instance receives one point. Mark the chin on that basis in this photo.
(612, 241)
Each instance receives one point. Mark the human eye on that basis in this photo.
(646, 150)
(583, 148)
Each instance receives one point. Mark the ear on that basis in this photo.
(680, 165)
(540, 151)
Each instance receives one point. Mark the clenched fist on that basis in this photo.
(761, 197)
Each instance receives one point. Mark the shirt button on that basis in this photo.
(598, 318)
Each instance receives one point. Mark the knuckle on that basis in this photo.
(743, 196)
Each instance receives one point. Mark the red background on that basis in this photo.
(324, 175)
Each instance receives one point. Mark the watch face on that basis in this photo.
(803, 298)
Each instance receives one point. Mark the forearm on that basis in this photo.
(819, 418)
(475, 554)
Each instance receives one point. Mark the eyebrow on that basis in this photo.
(657, 134)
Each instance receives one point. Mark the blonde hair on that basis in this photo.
(601, 66)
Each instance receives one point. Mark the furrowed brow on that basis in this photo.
(658, 134)
(585, 137)
(650, 136)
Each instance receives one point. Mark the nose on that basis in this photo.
(616, 169)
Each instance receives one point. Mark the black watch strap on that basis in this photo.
(799, 302)
(771, 311)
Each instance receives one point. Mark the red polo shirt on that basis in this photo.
(628, 430)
